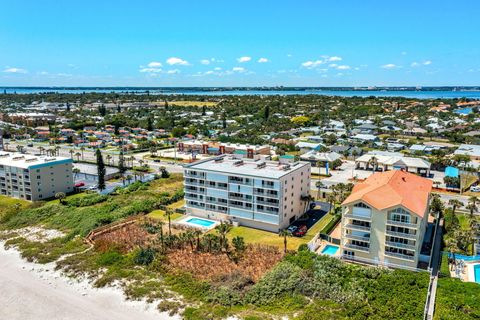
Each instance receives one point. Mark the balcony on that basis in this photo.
(401, 235)
(265, 193)
(198, 176)
(355, 247)
(225, 204)
(358, 238)
(267, 203)
(240, 207)
(216, 186)
(193, 183)
(402, 224)
(357, 227)
(268, 186)
(242, 182)
(400, 256)
(239, 198)
(357, 217)
(400, 245)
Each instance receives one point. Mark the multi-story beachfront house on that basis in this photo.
(267, 195)
(34, 178)
(385, 218)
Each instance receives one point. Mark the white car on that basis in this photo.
(475, 188)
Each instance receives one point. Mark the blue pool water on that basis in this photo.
(330, 250)
(201, 222)
(476, 269)
(451, 172)
(464, 111)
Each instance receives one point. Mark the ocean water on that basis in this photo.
(416, 94)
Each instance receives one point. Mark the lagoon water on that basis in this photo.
(416, 94)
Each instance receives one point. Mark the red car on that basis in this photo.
(301, 231)
(80, 184)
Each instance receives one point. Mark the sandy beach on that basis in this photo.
(30, 291)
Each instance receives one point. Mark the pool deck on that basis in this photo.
(325, 244)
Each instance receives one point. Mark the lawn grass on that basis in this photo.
(256, 236)
(160, 215)
(7, 203)
(317, 227)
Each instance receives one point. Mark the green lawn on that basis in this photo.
(270, 238)
(160, 215)
(7, 203)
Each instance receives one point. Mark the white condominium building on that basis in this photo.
(267, 195)
(34, 178)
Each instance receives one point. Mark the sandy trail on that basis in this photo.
(30, 291)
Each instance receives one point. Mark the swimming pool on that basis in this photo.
(330, 250)
(201, 222)
(465, 111)
(476, 270)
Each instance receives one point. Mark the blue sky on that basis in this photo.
(239, 43)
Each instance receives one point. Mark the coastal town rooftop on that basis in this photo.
(25, 161)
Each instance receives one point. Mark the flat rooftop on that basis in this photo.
(25, 161)
(247, 167)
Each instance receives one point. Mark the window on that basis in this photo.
(361, 205)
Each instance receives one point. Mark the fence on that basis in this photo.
(382, 263)
(90, 238)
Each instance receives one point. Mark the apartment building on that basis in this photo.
(217, 148)
(34, 178)
(385, 218)
(267, 195)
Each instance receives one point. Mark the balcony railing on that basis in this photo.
(357, 227)
(239, 198)
(240, 207)
(357, 217)
(355, 247)
(266, 194)
(359, 238)
(266, 203)
(401, 224)
(400, 245)
(191, 183)
(216, 186)
(401, 235)
(198, 176)
(399, 256)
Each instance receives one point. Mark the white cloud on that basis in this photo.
(334, 58)
(217, 68)
(343, 67)
(43, 73)
(289, 55)
(426, 63)
(403, 53)
(154, 64)
(205, 61)
(150, 70)
(389, 66)
(14, 70)
(244, 59)
(414, 64)
(417, 64)
(312, 64)
(177, 61)
(262, 60)
(333, 65)
(173, 71)
(238, 69)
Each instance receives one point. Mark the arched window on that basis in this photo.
(361, 205)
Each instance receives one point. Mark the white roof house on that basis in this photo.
(320, 156)
(365, 137)
(394, 160)
(470, 150)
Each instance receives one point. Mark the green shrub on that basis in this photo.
(144, 256)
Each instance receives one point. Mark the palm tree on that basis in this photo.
(284, 233)
(197, 233)
(451, 246)
(71, 153)
(82, 149)
(319, 184)
(78, 154)
(129, 178)
(472, 205)
(455, 204)
(109, 159)
(373, 162)
(41, 150)
(160, 237)
(57, 150)
(168, 214)
(75, 172)
(222, 230)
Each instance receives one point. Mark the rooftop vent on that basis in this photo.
(286, 167)
(261, 165)
(218, 160)
(238, 163)
(18, 158)
(31, 160)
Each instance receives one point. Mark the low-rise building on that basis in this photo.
(385, 218)
(385, 161)
(34, 178)
(217, 148)
(267, 195)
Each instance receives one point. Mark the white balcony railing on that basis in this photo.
(401, 235)
(401, 224)
(400, 245)
(400, 256)
(355, 247)
(357, 227)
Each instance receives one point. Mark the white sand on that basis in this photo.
(30, 291)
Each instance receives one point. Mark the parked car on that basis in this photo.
(301, 231)
(292, 229)
(80, 184)
(30, 145)
(475, 188)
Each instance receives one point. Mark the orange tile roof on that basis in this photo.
(384, 190)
